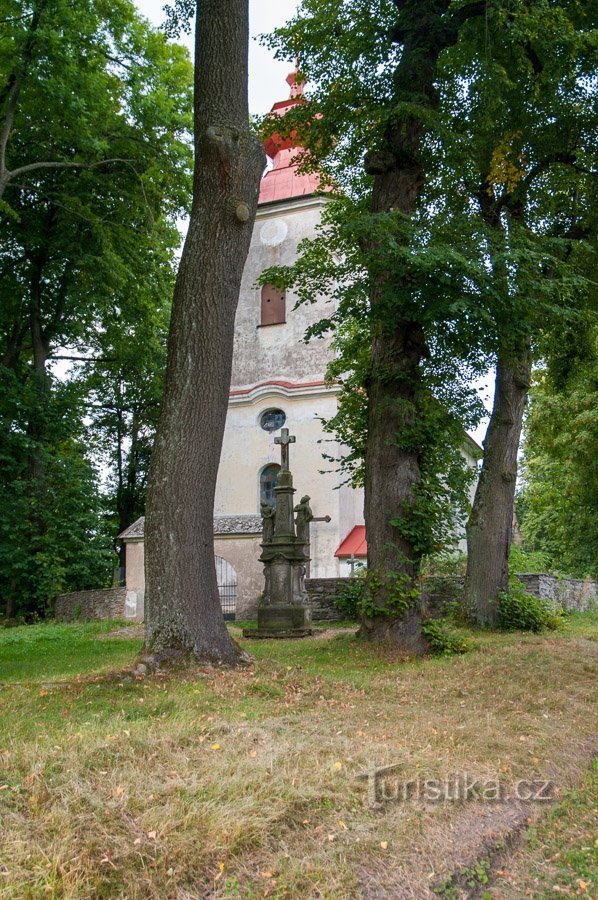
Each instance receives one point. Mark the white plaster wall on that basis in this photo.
(247, 448)
(278, 351)
(135, 563)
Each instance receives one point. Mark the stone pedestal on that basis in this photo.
(284, 610)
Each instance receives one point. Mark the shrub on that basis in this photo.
(520, 611)
(452, 562)
(441, 642)
(350, 599)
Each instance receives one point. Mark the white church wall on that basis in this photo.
(278, 351)
(247, 448)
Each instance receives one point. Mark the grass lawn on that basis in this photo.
(244, 784)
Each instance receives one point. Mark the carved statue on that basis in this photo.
(303, 518)
(267, 513)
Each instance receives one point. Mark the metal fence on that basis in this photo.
(227, 588)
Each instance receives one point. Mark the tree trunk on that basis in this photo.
(395, 387)
(183, 613)
(392, 476)
(490, 524)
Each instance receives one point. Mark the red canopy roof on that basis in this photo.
(354, 544)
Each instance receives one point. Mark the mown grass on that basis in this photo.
(52, 650)
(243, 784)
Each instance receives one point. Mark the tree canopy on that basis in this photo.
(95, 114)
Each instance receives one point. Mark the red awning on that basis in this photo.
(354, 544)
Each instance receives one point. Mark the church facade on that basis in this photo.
(278, 381)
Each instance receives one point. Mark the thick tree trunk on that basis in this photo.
(392, 476)
(490, 524)
(183, 614)
(395, 388)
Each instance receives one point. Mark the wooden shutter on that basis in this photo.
(273, 305)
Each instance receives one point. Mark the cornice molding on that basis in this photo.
(275, 388)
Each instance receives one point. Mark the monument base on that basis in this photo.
(281, 621)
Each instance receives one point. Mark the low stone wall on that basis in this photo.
(571, 593)
(118, 603)
(440, 591)
(322, 593)
(82, 605)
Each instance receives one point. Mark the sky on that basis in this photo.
(266, 75)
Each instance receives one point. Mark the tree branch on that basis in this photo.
(86, 359)
(33, 167)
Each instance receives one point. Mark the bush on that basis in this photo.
(453, 562)
(350, 600)
(441, 642)
(520, 611)
(521, 560)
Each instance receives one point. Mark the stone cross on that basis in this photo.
(354, 564)
(284, 440)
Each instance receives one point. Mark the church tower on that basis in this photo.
(279, 381)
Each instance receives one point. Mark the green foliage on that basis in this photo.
(441, 641)
(351, 598)
(520, 611)
(491, 257)
(388, 593)
(52, 531)
(336, 264)
(86, 272)
(449, 562)
(522, 560)
(559, 497)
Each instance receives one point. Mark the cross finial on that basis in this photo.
(284, 440)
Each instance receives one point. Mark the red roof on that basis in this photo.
(354, 544)
(283, 181)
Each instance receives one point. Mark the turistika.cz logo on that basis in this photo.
(385, 785)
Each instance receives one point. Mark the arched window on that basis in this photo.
(268, 478)
(273, 305)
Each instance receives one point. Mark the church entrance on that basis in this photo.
(227, 588)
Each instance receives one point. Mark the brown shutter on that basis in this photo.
(273, 305)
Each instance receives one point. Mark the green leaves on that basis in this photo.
(86, 263)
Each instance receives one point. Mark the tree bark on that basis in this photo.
(183, 613)
(490, 525)
(395, 386)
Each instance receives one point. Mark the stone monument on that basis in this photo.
(284, 610)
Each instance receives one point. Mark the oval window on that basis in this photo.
(272, 419)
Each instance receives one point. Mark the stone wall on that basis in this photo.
(571, 593)
(114, 603)
(82, 605)
(322, 594)
(120, 603)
